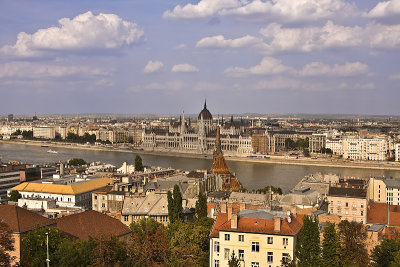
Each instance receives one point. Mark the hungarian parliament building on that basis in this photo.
(238, 138)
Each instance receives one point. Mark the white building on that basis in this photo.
(397, 152)
(335, 144)
(365, 148)
(78, 194)
(45, 132)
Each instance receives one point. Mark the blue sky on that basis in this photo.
(145, 56)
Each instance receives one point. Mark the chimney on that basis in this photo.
(242, 206)
(223, 207)
(277, 224)
(234, 221)
(293, 211)
(229, 212)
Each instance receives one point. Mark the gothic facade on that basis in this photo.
(183, 137)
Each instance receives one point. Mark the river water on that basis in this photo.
(251, 175)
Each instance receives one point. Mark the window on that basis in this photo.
(216, 263)
(103, 205)
(354, 205)
(255, 264)
(339, 203)
(126, 218)
(227, 237)
(362, 213)
(241, 238)
(347, 204)
(285, 257)
(331, 210)
(216, 246)
(255, 246)
(362, 206)
(241, 254)
(270, 240)
(270, 257)
(285, 241)
(226, 253)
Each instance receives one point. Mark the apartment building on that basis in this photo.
(397, 152)
(365, 148)
(76, 194)
(45, 132)
(258, 238)
(154, 206)
(335, 144)
(348, 203)
(383, 190)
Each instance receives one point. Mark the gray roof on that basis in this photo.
(307, 198)
(247, 197)
(152, 204)
(257, 214)
(375, 227)
(166, 186)
(393, 183)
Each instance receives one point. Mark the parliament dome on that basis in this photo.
(205, 113)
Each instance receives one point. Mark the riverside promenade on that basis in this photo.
(271, 159)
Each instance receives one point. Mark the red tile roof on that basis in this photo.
(91, 223)
(256, 225)
(21, 220)
(378, 213)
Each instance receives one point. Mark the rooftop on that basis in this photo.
(347, 192)
(73, 189)
(20, 220)
(91, 223)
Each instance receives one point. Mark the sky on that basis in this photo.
(165, 57)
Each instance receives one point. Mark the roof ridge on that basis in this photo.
(16, 212)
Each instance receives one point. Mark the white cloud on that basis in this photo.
(180, 46)
(278, 83)
(207, 86)
(292, 11)
(385, 9)
(219, 41)
(394, 77)
(202, 9)
(85, 31)
(153, 66)
(33, 70)
(168, 86)
(184, 68)
(267, 66)
(328, 36)
(322, 69)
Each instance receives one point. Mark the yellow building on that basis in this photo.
(258, 238)
(384, 190)
(77, 194)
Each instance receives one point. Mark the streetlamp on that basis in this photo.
(47, 244)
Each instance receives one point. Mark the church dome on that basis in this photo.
(205, 113)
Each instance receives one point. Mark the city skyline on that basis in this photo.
(269, 57)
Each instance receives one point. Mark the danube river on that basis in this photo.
(252, 175)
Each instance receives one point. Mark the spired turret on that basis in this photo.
(221, 170)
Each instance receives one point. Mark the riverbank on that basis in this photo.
(272, 159)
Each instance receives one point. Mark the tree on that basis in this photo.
(265, 190)
(138, 164)
(289, 143)
(77, 162)
(175, 205)
(190, 242)
(79, 253)
(149, 243)
(14, 196)
(352, 237)
(6, 245)
(308, 248)
(16, 133)
(330, 247)
(34, 245)
(233, 261)
(201, 206)
(27, 134)
(110, 251)
(396, 260)
(384, 254)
